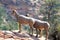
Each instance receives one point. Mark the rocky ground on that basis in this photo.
(14, 35)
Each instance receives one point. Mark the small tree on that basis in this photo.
(50, 9)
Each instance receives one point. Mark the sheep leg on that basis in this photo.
(47, 33)
(31, 28)
(36, 32)
(40, 33)
(19, 28)
(32, 31)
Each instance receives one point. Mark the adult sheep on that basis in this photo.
(42, 25)
(21, 19)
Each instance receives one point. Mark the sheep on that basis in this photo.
(38, 24)
(41, 25)
(21, 19)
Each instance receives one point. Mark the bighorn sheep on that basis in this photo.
(21, 19)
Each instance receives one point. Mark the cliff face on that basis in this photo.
(23, 6)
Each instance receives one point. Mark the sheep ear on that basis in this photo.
(14, 11)
(28, 14)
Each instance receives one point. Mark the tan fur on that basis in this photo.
(42, 26)
(22, 20)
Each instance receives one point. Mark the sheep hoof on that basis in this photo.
(36, 36)
(19, 31)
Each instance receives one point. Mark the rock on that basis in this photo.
(9, 39)
(1, 38)
(18, 36)
(2, 34)
(42, 38)
(9, 36)
(15, 37)
(22, 39)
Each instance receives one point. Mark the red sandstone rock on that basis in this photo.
(8, 36)
(15, 37)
